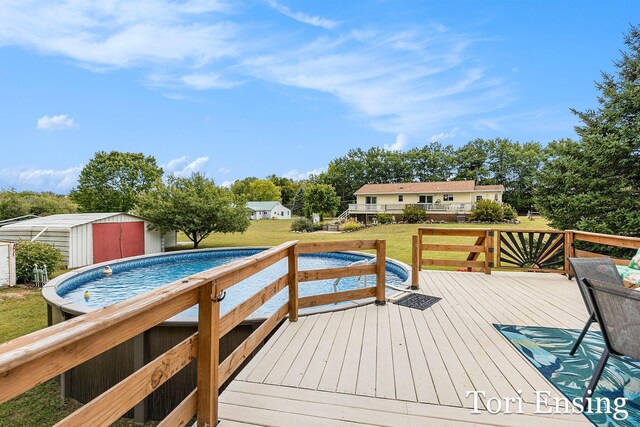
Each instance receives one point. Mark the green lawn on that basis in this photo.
(398, 236)
(22, 310)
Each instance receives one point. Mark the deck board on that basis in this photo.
(392, 365)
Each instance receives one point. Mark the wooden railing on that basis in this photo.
(32, 359)
(483, 244)
(524, 250)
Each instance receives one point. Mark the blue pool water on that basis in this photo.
(135, 277)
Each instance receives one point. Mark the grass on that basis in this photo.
(398, 236)
(22, 309)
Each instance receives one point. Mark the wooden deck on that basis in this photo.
(392, 365)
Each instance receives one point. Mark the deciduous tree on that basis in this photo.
(195, 206)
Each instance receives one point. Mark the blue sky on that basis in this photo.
(251, 88)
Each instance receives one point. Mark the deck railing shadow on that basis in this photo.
(33, 359)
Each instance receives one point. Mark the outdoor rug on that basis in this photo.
(548, 350)
(418, 301)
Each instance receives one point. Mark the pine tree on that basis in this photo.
(594, 184)
(299, 202)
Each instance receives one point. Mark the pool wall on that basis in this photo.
(90, 379)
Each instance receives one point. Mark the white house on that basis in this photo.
(89, 238)
(268, 210)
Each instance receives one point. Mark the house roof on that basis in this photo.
(262, 206)
(62, 221)
(426, 187)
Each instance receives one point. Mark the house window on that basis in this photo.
(282, 213)
(371, 200)
(478, 198)
(425, 199)
(401, 198)
(447, 197)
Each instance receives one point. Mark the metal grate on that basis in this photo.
(418, 301)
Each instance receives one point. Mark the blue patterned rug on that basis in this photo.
(548, 350)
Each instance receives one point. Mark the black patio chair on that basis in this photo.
(617, 310)
(602, 269)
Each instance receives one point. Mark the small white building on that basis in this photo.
(268, 210)
(89, 238)
(7, 264)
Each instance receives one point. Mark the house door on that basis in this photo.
(117, 240)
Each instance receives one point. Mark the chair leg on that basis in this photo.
(595, 378)
(592, 319)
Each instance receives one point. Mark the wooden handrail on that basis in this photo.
(32, 359)
(607, 239)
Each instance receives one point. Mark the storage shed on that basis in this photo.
(7, 264)
(90, 238)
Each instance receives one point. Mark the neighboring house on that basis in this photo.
(89, 238)
(441, 200)
(268, 210)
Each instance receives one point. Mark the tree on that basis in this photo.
(262, 190)
(14, 204)
(298, 202)
(594, 184)
(322, 198)
(288, 189)
(195, 206)
(111, 182)
(240, 187)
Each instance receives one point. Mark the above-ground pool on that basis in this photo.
(65, 297)
(91, 289)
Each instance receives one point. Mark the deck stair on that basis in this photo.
(343, 216)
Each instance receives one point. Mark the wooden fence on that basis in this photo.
(32, 359)
(523, 250)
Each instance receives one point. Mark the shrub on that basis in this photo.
(508, 213)
(30, 253)
(352, 225)
(414, 215)
(303, 224)
(384, 218)
(487, 211)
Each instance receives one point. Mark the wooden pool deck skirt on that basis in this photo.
(396, 366)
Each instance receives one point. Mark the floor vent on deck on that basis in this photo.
(418, 301)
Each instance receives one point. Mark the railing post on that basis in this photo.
(488, 251)
(568, 251)
(208, 354)
(293, 283)
(415, 262)
(381, 269)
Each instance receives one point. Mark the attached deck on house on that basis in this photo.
(395, 366)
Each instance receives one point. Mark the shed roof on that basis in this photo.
(262, 206)
(61, 221)
(425, 187)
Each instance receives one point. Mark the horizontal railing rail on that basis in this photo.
(524, 250)
(446, 207)
(32, 359)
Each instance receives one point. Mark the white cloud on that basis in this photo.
(183, 167)
(224, 170)
(297, 175)
(173, 164)
(444, 135)
(226, 184)
(59, 122)
(41, 179)
(410, 81)
(401, 142)
(316, 21)
(121, 33)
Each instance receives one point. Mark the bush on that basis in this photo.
(352, 225)
(384, 218)
(487, 211)
(508, 213)
(30, 253)
(303, 224)
(414, 215)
